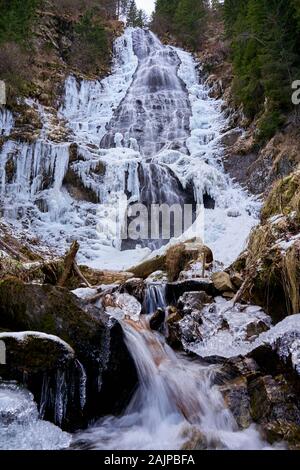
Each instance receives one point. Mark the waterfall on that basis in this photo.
(155, 297)
(174, 405)
(148, 133)
(156, 111)
(6, 121)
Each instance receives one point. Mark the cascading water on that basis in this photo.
(156, 111)
(155, 297)
(175, 407)
(151, 133)
(160, 143)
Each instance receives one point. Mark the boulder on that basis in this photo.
(32, 357)
(134, 287)
(174, 290)
(36, 352)
(97, 340)
(173, 336)
(157, 322)
(275, 405)
(237, 399)
(222, 282)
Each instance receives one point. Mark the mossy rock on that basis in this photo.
(97, 339)
(284, 197)
(35, 352)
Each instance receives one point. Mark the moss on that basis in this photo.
(284, 197)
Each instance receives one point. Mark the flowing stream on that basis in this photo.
(176, 405)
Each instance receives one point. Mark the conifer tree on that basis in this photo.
(132, 15)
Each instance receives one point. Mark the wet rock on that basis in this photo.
(158, 320)
(96, 339)
(237, 400)
(173, 337)
(222, 282)
(254, 329)
(134, 287)
(174, 290)
(195, 440)
(275, 405)
(283, 431)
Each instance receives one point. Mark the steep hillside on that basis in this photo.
(42, 41)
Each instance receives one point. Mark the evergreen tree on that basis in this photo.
(265, 37)
(16, 17)
(188, 19)
(142, 18)
(132, 15)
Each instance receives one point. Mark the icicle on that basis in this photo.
(61, 397)
(6, 121)
(82, 384)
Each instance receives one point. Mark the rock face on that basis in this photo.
(96, 339)
(265, 395)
